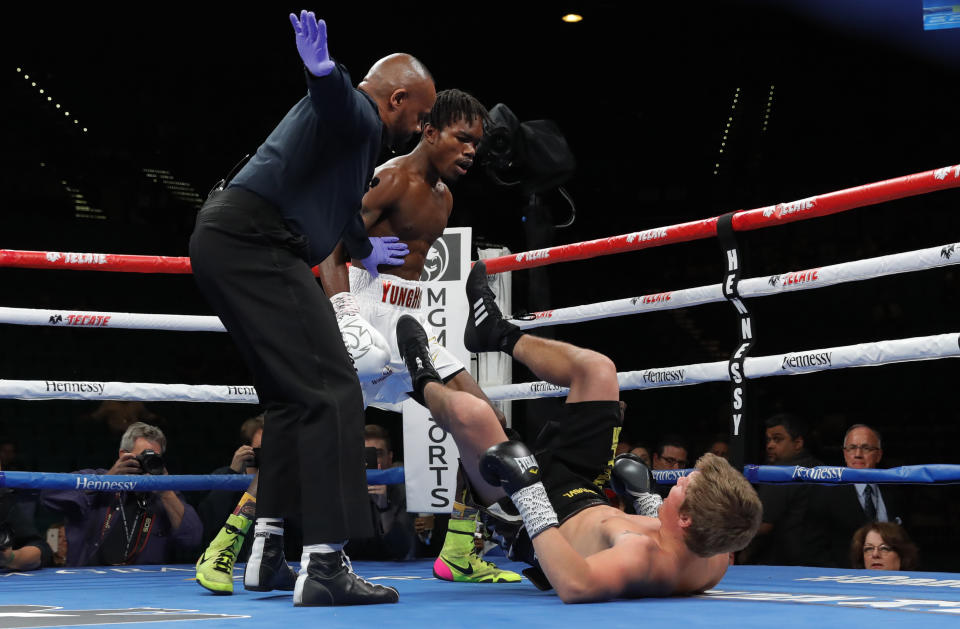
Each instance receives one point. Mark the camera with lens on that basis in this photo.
(150, 462)
(370, 455)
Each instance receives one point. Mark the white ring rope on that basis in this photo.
(792, 363)
(139, 391)
(115, 320)
(868, 268)
(818, 277)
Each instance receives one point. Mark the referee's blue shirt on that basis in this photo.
(316, 164)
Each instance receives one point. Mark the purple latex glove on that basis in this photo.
(386, 250)
(312, 43)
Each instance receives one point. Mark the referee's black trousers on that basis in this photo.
(251, 268)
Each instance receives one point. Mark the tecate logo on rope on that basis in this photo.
(798, 361)
(241, 391)
(88, 320)
(651, 299)
(800, 277)
(77, 258)
(650, 234)
(529, 256)
(943, 173)
(785, 209)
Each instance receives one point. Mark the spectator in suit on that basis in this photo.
(791, 534)
(883, 546)
(671, 454)
(845, 508)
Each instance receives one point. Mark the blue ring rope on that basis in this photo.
(834, 475)
(776, 474)
(231, 482)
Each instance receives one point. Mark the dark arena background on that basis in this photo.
(675, 111)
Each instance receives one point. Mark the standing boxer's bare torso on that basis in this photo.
(678, 570)
(417, 216)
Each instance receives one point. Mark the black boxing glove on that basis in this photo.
(512, 466)
(633, 481)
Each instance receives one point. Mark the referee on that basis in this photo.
(252, 249)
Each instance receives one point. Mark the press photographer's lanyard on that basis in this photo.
(135, 533)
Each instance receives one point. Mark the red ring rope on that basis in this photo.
(93, 262)
(96, 262)
(744, 220)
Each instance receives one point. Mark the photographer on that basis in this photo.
(120, 528)
(394, 533)
(21, 547)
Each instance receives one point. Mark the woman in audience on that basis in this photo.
(883, 546)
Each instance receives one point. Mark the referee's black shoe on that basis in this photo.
(329, 580)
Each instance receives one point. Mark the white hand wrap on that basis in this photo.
(647, 504)
(367, 347)
(535, 509)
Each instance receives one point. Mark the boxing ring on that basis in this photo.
(752, 596)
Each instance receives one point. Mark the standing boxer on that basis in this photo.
(409, 199)
(252, 249)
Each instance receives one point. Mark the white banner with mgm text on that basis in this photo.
(429, 453)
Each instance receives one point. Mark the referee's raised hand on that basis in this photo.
(312, 43)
